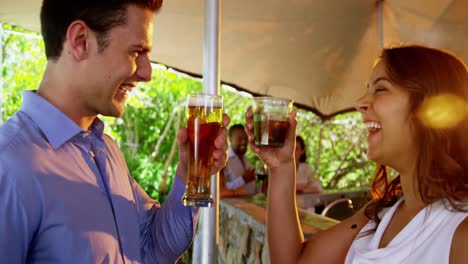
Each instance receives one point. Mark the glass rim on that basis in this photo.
(203, 100)
(204, 95)
(271, 98)
(272, 101)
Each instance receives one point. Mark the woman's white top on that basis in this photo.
(426, 239)
(304, 173)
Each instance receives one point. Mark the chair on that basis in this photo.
(339, 209)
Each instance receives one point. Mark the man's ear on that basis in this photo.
(78, 38)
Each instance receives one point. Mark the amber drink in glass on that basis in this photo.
(204, 118)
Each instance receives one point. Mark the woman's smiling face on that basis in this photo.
(385, 111)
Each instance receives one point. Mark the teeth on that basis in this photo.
(125, 88)
(372, 126)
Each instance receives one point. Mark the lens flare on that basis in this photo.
(443, 111)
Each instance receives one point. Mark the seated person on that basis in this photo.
(305, 181)
(224, 191)
(238, 177)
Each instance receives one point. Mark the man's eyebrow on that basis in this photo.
(142, 47)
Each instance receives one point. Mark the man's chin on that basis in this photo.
(116, 112)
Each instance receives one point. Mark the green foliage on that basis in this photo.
(147, 131)
(23, 62)
(342, 163)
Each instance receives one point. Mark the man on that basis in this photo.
(66, 195)
(239, 175)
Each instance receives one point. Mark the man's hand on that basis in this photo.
(220, 155)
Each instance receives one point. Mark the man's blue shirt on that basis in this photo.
(66, 196)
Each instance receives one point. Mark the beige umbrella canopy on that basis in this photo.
(318, 53)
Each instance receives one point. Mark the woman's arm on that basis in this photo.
(285, 237)
(283, 229)
(285, 240)
(332, 245)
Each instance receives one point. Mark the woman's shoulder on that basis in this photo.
(462, 229)
(337, 239)
(458, 252)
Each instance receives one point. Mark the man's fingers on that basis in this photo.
(221, 139)
(182, 135)
(226, 120)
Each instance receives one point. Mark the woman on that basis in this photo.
(305, 181)
(421, 215)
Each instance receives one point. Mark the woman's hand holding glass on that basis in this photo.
(272, 156)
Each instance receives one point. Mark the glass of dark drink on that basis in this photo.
(261, 170)
(204, 118)
(271, 120)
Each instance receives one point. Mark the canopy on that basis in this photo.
(318, 53)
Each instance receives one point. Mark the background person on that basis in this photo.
(305, 180)
(420, 216)
(239, 174)
(66, 195)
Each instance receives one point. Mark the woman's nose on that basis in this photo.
(362, 104)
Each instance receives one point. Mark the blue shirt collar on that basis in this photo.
(56, 126)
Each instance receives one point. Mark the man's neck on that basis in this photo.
(56, 90)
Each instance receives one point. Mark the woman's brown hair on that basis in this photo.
(441, 169)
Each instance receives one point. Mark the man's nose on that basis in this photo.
(144, 69)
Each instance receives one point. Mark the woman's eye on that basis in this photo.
(380, 89)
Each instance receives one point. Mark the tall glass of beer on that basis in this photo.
(271, 123)
(204, 118)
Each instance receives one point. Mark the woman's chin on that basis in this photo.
(373, 156)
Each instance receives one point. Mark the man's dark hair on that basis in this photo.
(99, 15)
(235, 127)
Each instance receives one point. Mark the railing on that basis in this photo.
(316, 202)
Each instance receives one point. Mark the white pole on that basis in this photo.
(211, 48)
(206, 242)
